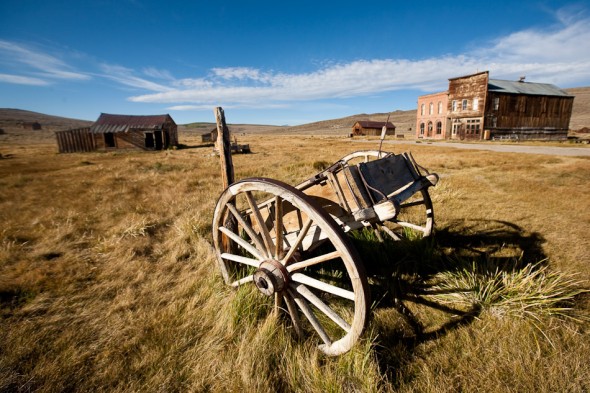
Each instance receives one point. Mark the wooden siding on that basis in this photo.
(76, 140)
(135, 139)
(526, 112)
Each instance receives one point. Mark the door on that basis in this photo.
(149, 140)
(158, 139)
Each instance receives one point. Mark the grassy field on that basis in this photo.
(108, 280)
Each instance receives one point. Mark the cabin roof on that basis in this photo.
(122, 123)
(528, 88)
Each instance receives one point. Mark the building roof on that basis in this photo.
(517, 87)
(123, 123)
(374, 124)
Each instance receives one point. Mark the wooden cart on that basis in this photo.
(291, 243)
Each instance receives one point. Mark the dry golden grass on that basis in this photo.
(108, 281)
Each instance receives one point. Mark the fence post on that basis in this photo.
(224, 147)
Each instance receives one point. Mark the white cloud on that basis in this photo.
(241, 73)
(38, 63)
(125, 76)
(158, 74)
(22, 80)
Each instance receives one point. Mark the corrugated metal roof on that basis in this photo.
(516, 87)
(375, 124)
(122, 123)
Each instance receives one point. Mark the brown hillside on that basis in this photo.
(13, 118)
(581, 110)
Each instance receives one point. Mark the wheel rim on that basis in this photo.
(271, 235)
(415, 219)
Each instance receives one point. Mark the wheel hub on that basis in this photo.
(271, 277)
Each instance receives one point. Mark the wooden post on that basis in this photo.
(224, 146)
(227, 172)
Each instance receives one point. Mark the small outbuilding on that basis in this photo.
(155, 132)
(372, 128)
(210, 136)
(31, 125)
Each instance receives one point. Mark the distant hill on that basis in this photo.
(13, 118)
(403, 120)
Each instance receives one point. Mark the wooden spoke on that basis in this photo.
(249, 230)
(244, 280)
(308, 312)
(260, 222)
(323, 307)
(391, 233)
(322, 286)
(240, 259)
(410, 204)
(294, 314)
(295, 246)
(313, 261)
(279, 247)
(278, 303)
(410, 225)
(243, 243)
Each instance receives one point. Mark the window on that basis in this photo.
(421, 128)
(473, 126)
(429, 128)
(439, 107)
(454, 106)
(431, 109)
(438, 128)
(456, 128)
(422, 110)
(464, 105)
(475, 104)
(496, 103)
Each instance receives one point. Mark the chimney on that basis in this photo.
(521, 79)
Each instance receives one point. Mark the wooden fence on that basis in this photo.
(75, 140)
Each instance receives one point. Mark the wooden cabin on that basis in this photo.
(372, 128)
(111, 132)
(31, 125)
(155, 132)
(480, 108)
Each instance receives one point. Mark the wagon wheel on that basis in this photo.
(415, 219)
(292, 251)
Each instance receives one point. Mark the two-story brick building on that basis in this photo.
(432, 116)
(478, 107)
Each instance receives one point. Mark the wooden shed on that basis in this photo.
(155, 132)
(31, 125)
(210, 136)
(372, 128)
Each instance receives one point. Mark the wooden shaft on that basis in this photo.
(224, 146)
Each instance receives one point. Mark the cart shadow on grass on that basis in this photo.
(404, 275)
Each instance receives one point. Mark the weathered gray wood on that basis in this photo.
(224, 146)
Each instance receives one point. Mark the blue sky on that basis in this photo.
(275, 62)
